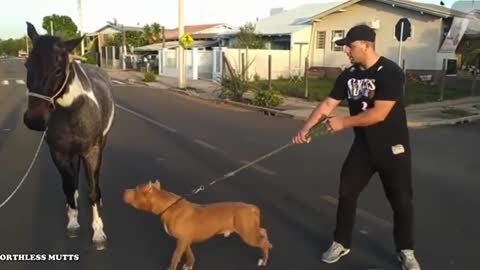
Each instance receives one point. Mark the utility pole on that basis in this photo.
(80, 15)
(163, 37)
(124, 51)
(181, 52)
(51, 28)
(26, 42)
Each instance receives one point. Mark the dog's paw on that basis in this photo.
(261, 262)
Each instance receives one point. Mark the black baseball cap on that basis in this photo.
(359, 32)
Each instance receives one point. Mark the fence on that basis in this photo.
(254, 62)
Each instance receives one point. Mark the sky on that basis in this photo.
(14, 13)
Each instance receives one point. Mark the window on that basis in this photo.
(321, 35)
(337, 34)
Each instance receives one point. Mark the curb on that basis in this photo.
(264, 110)
(454, 121)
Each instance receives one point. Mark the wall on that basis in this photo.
(298, 57)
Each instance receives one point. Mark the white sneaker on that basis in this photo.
(334, 253)
(408, 260)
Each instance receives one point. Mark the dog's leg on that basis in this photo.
(190, 259)
(248, 227)
(265, 245)
(177, 255)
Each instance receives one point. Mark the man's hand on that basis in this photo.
(301, 137)
(335, 124)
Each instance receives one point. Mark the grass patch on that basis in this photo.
(318, 89)
(456, 112)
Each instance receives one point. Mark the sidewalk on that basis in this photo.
(418, 115)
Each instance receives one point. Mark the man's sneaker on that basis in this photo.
(334, 253)
(408, 260)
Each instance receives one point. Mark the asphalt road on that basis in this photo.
(184, 143)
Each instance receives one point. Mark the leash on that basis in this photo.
(319, 129)
(27, 173)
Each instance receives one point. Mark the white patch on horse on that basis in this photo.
(110, 120)
(97, 226)
(73, 214)
(75, 90)
(72, 218)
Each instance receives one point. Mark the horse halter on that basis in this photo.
(51, 99)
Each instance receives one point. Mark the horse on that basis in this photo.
(73, 104)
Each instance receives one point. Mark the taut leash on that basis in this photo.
(319, 129)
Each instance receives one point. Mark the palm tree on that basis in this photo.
(147, 34)
(156, 32)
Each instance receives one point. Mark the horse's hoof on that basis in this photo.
(100, 245)
(73, 232)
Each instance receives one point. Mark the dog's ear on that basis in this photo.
(156, 184)
(148, 187)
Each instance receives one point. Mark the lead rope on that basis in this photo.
(26, 173)
(320, 129)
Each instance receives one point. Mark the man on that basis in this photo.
(373, 87)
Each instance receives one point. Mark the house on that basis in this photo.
(286, 28)
(107, 31)
(311, 29)
(424, 51)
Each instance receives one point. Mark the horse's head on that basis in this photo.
(48, 73)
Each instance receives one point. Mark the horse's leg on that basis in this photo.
(68, 165)
(92, 160)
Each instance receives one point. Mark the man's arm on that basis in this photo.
(371, 116)
(321, 112)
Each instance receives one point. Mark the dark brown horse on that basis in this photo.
(73, 104)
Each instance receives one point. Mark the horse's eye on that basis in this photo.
(59, 73)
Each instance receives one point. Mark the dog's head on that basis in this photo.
(140, 197)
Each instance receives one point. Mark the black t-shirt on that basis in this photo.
(361, 87)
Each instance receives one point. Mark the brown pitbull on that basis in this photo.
(192, 223)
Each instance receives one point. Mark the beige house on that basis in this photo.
(430, 24)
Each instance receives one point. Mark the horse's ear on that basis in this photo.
(71, 44)
(32, 32)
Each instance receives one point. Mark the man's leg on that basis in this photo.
(356, 171)
(396, 179)
(397, 182)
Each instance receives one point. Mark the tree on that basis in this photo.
(152, 33)
(147, 34)
(12, 46)
(63, 26)
(248, 38)
(132, 38)
(156, 32)
(470, 51)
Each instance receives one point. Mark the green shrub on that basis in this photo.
(267, 98)
(149, 77)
